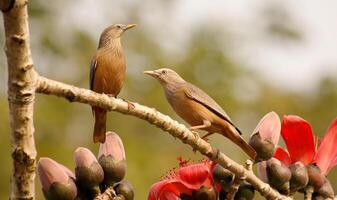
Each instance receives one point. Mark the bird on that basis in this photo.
(197, 108)
(107, 72)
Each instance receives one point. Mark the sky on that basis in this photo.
(292, 65)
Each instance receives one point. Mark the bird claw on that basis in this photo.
(196, 134)
(131, 106)
(205, 138)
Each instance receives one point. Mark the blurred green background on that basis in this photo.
(252, 57)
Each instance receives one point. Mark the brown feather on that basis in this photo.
(108, 77)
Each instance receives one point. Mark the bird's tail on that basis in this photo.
(100, 125)
(231, 133)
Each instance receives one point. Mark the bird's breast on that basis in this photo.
(109, 73)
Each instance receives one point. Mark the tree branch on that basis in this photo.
(21, 94)
(162, 121)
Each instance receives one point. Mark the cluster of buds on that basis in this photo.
(301, 167)
(199, 181)
(91, 177)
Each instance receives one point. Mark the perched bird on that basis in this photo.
(107, 72)
(197, 108)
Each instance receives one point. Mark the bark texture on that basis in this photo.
(21, 93)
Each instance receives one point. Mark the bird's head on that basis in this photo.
(113, 32)
(165, 76)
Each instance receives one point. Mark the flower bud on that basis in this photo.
(326, 190)
(204, 193)
(89, 174)
(299, 176)
(245, 192)
(265, 149)
(125, 189)
(55, 181)
(316, 178)
(266, 136)
(278, 175)
(222, 176)
(111, 157)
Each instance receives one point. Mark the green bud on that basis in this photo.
(56, 180)
(299, 176)
(89, 174)
(223, 176)
(278, 175)
(316, 178)
(204, 193)
(245, 192)
(125, 189)
(111, 157)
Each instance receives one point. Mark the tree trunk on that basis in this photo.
(21, 93)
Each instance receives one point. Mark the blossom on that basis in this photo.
(299, 139)
(184, 180)
(300, 142)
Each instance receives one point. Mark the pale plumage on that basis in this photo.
(197, 108)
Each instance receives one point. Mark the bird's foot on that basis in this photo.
(197, 136)
(205, 138)
(131, 106)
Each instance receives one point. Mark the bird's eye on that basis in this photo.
(164, 72)
(118, 26)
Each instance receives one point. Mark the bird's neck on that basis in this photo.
(107, 42)
(173, 87)
(113, 46)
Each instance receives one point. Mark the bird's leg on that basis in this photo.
(205, 124)
(205, 137)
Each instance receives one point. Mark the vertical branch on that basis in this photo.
(21, 93)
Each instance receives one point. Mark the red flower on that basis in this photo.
(326, 156)
(184, 180)
(299, 138)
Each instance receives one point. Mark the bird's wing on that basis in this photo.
(93, 66)
(201, 97)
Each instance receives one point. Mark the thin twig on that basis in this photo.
(237, 181)
(162, 121)
(308, 192)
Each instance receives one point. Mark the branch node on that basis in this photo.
(27, 67)
(20, 39)
(20, 156)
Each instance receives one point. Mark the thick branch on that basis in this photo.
(162, 121)
(21, 93)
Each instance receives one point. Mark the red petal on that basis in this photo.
(298, 137)
(269, 127)
(167, 190)
(332, 164)
(196, 175)
(327, 151)
(282, 156)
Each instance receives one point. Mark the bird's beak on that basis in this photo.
(153, 73)
(127, 27)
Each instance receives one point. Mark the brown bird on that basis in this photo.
(197, 108)
(107, 72)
